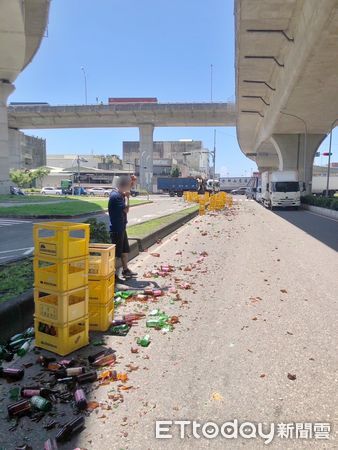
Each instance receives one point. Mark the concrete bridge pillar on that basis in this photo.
(297, 152)
(146, 156)
(5, 90)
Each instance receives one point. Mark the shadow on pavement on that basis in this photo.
(319, 227)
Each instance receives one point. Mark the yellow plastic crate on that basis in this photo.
(67, 338)
(61, 240)
(101, 290)
(101, 316)
(61, 308)
(101, 259)
(60, 276)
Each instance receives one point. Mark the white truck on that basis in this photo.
(280, 189)
(319, 184)
(212, 185)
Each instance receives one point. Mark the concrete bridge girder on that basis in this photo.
(297, 152)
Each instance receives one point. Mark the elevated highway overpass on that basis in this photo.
(145, 116)
(286, 80)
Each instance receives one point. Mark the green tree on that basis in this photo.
(175, 172)
(21, 178)
(39, 174)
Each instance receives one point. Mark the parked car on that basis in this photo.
(99, 192)
(16, 191)
(75, 191)
(51, 191)
(250, 192)
(239, 191)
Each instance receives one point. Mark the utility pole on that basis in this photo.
(85, 83)
(211, 82)
(214, 156)
(78, 170)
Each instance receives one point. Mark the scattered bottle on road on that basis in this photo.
(12, 373)
(105, 360)
(41, 403)
(88, 377)
(119, 330)
(50, 445)
(144, 341)
(68, 430)
(80, 399)
(20, 408)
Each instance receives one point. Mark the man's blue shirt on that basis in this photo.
(118, 217)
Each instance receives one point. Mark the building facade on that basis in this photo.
(26, 152)
(104, 162)
(189, 156)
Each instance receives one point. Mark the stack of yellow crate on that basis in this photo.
(101, 285)
(61, 286)
(202, 203)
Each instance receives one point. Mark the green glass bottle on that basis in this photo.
(155, 322)
(30, 332)
(41, 403)
(16, 337)
(144, 341)
(119, 330)
(23, 349)
(14, 345)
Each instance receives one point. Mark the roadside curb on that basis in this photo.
(62, 216)
(325, 212)
(17, 314)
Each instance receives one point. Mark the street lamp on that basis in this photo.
(305, 138)
(85, 83)
(78, 159)
(329, 160)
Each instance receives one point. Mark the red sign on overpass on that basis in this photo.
(112, 100)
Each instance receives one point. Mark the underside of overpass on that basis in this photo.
(22, 27)
(286, 80)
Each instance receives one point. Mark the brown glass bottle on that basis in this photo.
(92, 358)
(20, 408)
(88, 377)
(70, 428)
(12, 373)
(105, 360)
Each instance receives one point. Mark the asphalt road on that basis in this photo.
(16, 238)
(256, 341)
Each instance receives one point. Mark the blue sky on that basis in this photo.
(133, 48)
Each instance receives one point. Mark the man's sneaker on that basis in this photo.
(127, 273)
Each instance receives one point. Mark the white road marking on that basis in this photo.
(28, 251)
(320, 215)
(14, 250)
(11, 222)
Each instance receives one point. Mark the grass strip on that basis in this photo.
(15, 278)
(143, 229)
(30, 198)
(62, 208)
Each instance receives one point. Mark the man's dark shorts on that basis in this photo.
(121, 242)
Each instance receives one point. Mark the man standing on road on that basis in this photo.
(118, 208)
